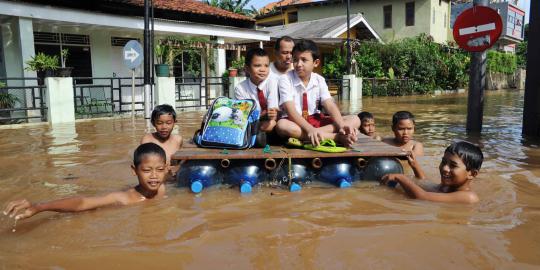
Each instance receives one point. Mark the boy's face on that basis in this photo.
(164, 126)
(284, 55)
(404, 130)
(151, 172)
(258, 69)
(304, 63)
(368, 127)
(453, 171)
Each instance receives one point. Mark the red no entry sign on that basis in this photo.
(477, 29)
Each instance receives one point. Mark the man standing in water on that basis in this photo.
(283, 56)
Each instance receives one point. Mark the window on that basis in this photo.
(433, 20)
(293, 17)
(445, 19)
(387, 12)
(409, 14)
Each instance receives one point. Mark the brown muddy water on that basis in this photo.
(364, 227)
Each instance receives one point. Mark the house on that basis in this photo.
(391, 19)
(513, 19)
(95, 31)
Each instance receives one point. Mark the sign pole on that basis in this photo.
(477, 78)
(133, 93)
(146, 67)
(531, 110)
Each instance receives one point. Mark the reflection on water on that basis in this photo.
(367, 226)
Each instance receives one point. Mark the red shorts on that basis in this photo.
(318, 120)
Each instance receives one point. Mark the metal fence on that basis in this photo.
(387, 87)
(337, 86)
(102, 96)
(199, 92)
(22, 100)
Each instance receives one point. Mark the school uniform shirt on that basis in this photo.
(275, 71)
(291, 88)
(247, 89)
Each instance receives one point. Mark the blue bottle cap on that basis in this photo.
(245, 188)
(196, 187)
(344, 184)
(295, 187)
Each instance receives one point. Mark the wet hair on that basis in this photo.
(251, 53)
(277, 45)
(365, 115)
(161, 110)
(305, 45)
(470, 154)
(147, 149)
(402, 115)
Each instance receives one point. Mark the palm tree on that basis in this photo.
(236, 6)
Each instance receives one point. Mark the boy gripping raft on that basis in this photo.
(149, 164)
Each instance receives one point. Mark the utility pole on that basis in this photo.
(477, 85)
(147, 68)
(531, 107)
(348, 37)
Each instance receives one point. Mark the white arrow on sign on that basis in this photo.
(477, 29)
(131, 55)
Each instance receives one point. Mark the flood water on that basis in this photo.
(364, 227)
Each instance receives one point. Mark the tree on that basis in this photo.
(236, 6)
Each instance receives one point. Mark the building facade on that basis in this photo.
(391, 19)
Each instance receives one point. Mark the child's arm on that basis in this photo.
(416, 192)
(333, 110)
(314, 135)
(417, 169)
(73, 204)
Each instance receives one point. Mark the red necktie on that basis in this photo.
(305, 113)
(262, 101)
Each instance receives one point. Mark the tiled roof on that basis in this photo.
(190, 6)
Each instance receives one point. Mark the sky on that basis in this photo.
(523, 4)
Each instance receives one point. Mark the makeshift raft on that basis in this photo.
(367, 159)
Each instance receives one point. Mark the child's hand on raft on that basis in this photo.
(392, 177)
(315, 136)
(272, 114)
(16, 206)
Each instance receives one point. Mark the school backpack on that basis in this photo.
(229, 123)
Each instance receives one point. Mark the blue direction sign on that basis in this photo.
(132, 54)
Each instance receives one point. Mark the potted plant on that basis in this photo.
(237, 64)
(64, 71)
(43, 64)
(161, 51)
(7, 101)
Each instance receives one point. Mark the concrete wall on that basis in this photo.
(440, 20)
(373, 11)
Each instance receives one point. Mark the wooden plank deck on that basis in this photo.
(364, 147)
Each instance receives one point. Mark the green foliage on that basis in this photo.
(501, 62)
(238, 63)
(335, 65)
(236, 6)
(64, 53)
(42, 62)
(521, 53)
(7, 100)
(427, 65)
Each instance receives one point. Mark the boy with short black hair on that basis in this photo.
(301, 92)
(163, 119)
(260, 87)
(459, 166)
(367, 125)
(403, 126)
(150, 166)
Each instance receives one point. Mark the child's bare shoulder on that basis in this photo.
(148, 137)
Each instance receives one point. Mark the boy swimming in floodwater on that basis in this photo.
(150, 166)
(367, 125)
(459, 166)
(163, 119)
(403, 126)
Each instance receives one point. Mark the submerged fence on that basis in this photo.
(22, 100)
